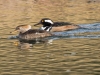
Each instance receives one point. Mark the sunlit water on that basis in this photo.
(70, 53)
(75, 52)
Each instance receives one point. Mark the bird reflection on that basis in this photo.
(28, 44)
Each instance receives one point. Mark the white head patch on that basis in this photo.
(49, 21)
(43, 28)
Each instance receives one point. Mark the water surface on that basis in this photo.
(75, 52)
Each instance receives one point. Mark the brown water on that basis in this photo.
(66, 56)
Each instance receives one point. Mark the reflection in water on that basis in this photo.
(26, 44)
(23, 45)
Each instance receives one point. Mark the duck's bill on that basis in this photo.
(14, 31)
(37, 24)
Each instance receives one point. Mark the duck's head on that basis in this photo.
(46, 24)
(22, 28)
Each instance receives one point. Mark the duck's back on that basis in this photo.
(56, 24)
(63, 26)
(32, 34)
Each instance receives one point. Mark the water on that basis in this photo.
(85, 31)
(75, 52)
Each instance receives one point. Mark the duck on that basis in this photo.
(55, 26)
(27, 33)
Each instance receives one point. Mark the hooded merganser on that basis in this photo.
(26, 33)
(56, 26)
